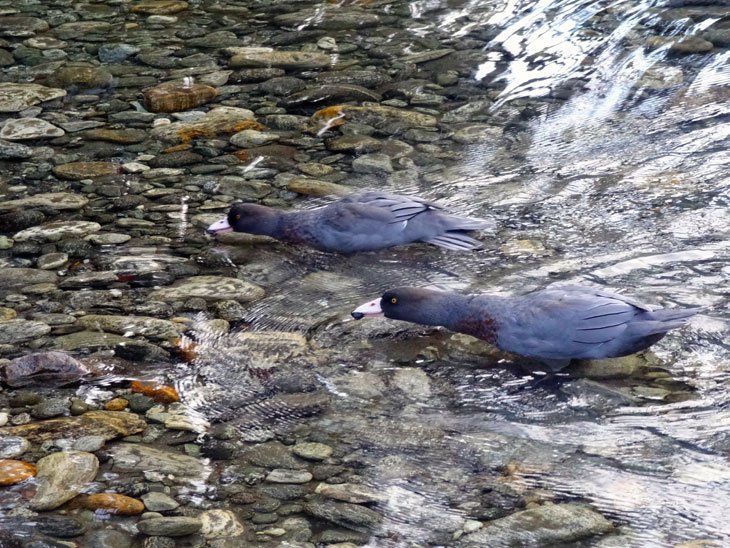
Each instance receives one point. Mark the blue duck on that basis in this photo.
(552, 325)
(360, 222)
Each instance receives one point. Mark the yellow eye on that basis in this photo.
(393, 300)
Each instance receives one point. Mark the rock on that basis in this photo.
(477, 133)
(126, 136)
(14, 151)
(62, 476)
(251, 138)
(609, 368)
(82, 30)
(112, 503)
(132, 326)
(314, 187)
(20, 26)
(59, 526)
(169, 526)
(159, 7)
(220, 524)
(56, 231)
(272, 455)
(44, 368)
(15, 471)
(329, 18)
(546, 525)
(86, 280)
(50, 407)
(88, 341)
(12, 446)
(372, 163)
(312, 450)
(55, 200)
(349, 492)
(177, 96)
(352, 516)
(330, 94)
(387, 119)
(107, 424)
(159, 502)
(254, 75)
(282, 475)
(17, 331)
(354, 143)
(283, 85)
(76, 171)
(413, 382)
(210, 288)
(52, 261)
(220, 120)
(289, 60)
(29, 128)
(364, 78)
(17, 97)
(108, 538)
(116, 53)
(178, 467)
(81, 76)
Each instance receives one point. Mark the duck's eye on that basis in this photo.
(237, 217)
(393, 300)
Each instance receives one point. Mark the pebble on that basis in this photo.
(29, 128)
(112, 503)
(62, 476)
(213, 288)
(107, 424)
(170, 526)
(155, 501)
(220, 524)
(282, 475)
(44, 368)
(12, 446)
(18, 331)
(17, 97)
(176, 96)
(312, 450)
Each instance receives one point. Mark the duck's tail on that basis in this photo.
(666, 319)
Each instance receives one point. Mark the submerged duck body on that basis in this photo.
(361, 222)
(553, 325)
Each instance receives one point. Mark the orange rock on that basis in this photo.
(15, 471)
(176, 96)
(159, 392)
(113, 503)
(177, 148)
(117, 404)
(186, 347)
(329, 116)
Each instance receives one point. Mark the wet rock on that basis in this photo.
(354, 143)
(329, 18)
(125, 136)
(251, 138)
(88, 341)
(289, 60)
(220, 524)
(177, 96)
(15, 471)
(52, 261)
(273, 455)
(349, 492)
(282, 475)
(62, 476)
(17, 97)
(169, 526)
(477, 133)
(17, 331)
(255, 75)
(116, 53)
(364, 78)
(14, 151)
(55, 200)
(13, 446)
(283, 85)
(312, 450)
(58, 230)
(29, 128)
(107, 424)
(219, 121)
(133, 326)
(413, 382)
(50, 407)
(81, 77)
(112, 503)
(348, 515)
(178, 467)
(686, 45)
(331, 94)
(313, 187)
(610, 368)
(44, 368)
(82, 30)
(159, 7)
(108, 538)
(59, 526)
(21, 26)
(210, 288)
(155, 501)
(372, 163)
(548, 524)
(76, 171)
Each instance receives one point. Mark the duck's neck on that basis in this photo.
(478, 317)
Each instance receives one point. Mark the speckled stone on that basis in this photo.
(210, 288)
(29, 128)
(17, 97)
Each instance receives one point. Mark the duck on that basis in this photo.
(367, 221)
(553, 325)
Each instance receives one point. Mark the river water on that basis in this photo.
(594, 133)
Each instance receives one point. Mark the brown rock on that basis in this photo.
(175, 96)
(280, 59)
(159, 7)
(112, 503)
(117, 404)
(314, 187)
(123, 136)
(76, 171)
(15, 471)
(108, 424)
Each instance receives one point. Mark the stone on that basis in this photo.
(159, 7)
(50, 407)
(132, 458)
(210, 288)
(62, 476)
(55, 200)
(353, 143)
(57, 230)
(14, 151)
(12, 446)
(87, 280)
(546, 525)
(112, 503)
(17, 331)
(288, 60)
(108, 538)
(21, 26)
(332, 93)
(133, 326)
(350, 492)
(15, 471)
(125, 136)
(89, 444)
(82, 30)
(272, 455)
(352, 516)
(329, 18)
(282, 475)
(59, 526)
(20, 129)
(76, 171)
(251, 138)
(176, 96)
(218, 121)
(477, 133)
(169, 526)
(155, 501)
(312, 450)
(81, 76)
(314, 187)
(88, 341)
(52, 261)
(45, 369)
(413, 382)
(220, 524)
(106, 424)
(17, 97)
(372, 163)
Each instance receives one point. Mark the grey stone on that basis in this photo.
(330, 18)
(16, 331)
(13, 446)
(155, 501)
(180, 468)
(44, 368)
(20, 129)
(210, 288)
(273, 455)
(312, 450)
(352, 516)
(290, 60)
(51, 407)
(17, 97)
(170, 526)
(133, 326)
(108, 538)
(220, 524)
(53, 232)
(282, 475)
(62, 476)
(55, 200)
(349, 492)
(14, 151)
(372, 163)
(52, 261)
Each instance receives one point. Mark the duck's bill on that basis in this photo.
(220, 227)
(368, 309)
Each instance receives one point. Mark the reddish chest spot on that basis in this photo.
(484, 328)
